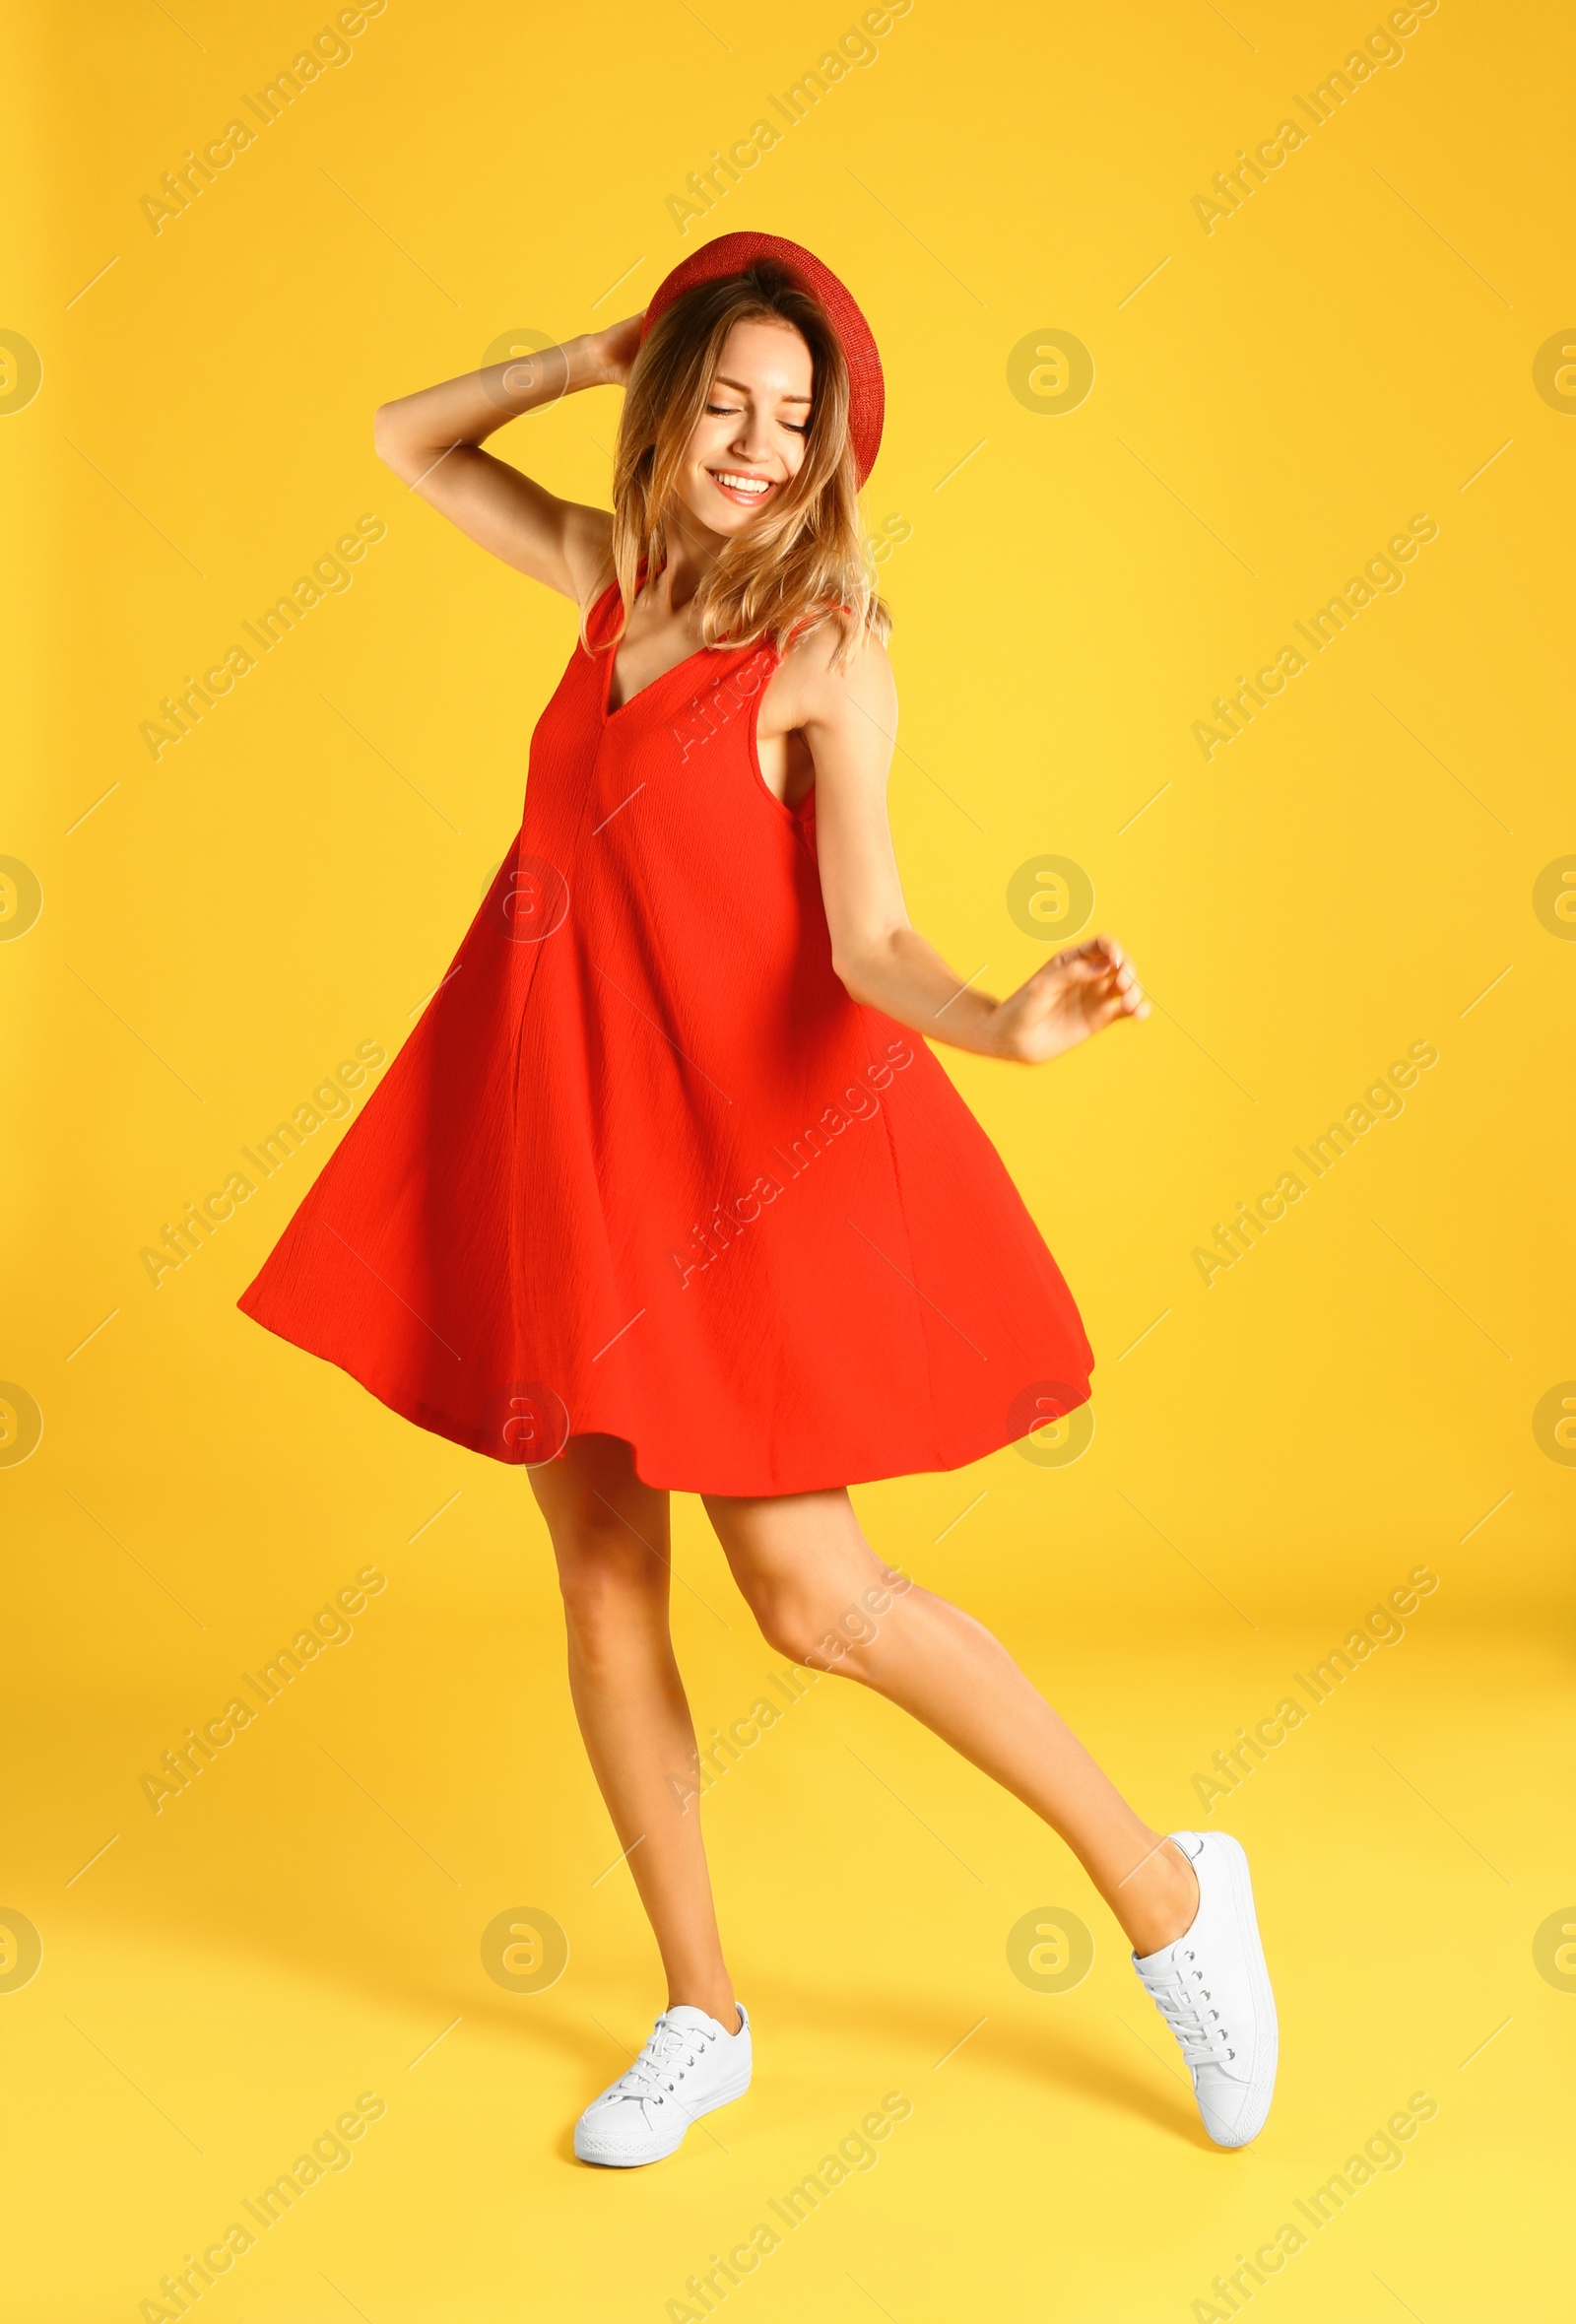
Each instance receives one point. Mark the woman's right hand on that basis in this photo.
(617, 348)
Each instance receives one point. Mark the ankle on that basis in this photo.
(717, 2002)
(1159, 1901)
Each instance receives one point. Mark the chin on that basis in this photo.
(726, 522)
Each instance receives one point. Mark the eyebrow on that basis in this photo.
(722, 380)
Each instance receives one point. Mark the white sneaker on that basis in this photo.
(1213, 1989)
(688, 2067)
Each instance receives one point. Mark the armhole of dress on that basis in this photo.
(597, 625)
(803, 813)
(597, 620)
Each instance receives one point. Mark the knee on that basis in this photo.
(607, 1581)
(808, 1627)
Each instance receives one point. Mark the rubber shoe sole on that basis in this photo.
(589, 2149)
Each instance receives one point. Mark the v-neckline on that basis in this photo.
(609, 713)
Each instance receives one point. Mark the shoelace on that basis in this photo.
(1187, 2008)
(649, 2076)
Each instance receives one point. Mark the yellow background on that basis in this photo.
(220, 927)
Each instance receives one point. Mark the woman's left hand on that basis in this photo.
(1076, 993)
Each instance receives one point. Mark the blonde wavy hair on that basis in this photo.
(803, 564)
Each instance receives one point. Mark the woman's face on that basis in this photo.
(750, 439)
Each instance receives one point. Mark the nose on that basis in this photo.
(751, 441)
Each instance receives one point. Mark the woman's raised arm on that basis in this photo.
(433, 440)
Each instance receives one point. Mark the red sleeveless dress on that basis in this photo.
(644, 1168)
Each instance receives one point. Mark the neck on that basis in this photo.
(693, 550)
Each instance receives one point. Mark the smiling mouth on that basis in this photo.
(745, 492)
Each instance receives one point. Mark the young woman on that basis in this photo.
(665, 1191)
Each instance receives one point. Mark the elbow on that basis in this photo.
(863, 958)
(393, 445)
(852, 968)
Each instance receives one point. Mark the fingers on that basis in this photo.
(1129, 988)
(1095, 955)
(1093, 947)
(1099, 972)
(1114, 1005)
(1100, 961)
(1131, 995)
(1108, 966)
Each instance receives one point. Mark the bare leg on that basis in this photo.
(610, 1535)
(804, 1567)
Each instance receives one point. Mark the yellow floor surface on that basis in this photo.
(296, 1938)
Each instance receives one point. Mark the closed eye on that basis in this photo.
(727, 411)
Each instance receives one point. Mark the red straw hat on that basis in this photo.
(731, 254)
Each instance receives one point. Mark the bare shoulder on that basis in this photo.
(816, 694)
